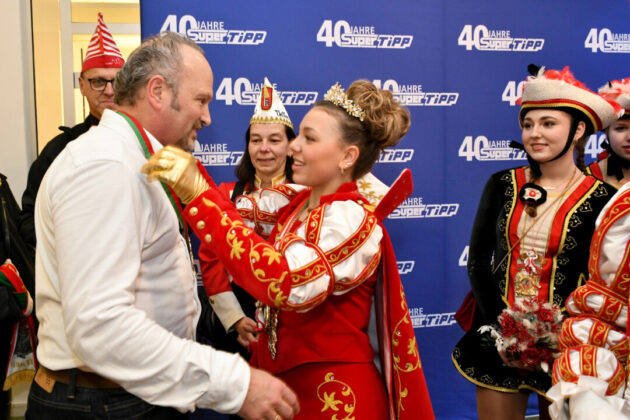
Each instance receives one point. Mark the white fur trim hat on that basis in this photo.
(618, 91)
(553, 89)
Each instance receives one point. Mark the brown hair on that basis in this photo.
(579, 152)
(384, 124)
(245, 171)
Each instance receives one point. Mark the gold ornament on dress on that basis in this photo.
(338, 96)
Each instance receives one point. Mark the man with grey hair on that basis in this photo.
(116, 288)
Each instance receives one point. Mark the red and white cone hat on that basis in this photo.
(102, 51)
(269, 108)
(618, 91)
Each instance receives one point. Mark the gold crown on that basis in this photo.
(337, 96)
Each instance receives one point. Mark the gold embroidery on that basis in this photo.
(405, 355)
(327, 391)
(365, 188)
(272, 255)
(237, 233)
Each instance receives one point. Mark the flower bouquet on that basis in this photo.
(528, 333)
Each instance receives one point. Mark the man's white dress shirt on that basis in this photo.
(115, 290)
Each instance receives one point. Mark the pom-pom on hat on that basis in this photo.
(269, 108)
(553, 89)
(618, 91)
(102, 51)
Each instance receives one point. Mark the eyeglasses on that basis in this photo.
(99, 84)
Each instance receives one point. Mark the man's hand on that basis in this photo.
(268, 398)
(178, 169)
(246, 329)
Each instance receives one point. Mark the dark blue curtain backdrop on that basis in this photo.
(458, 66)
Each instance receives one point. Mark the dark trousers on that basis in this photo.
(67, 402)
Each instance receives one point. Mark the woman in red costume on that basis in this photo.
(531, 234)
(613, 165)
(264, 165)
(591, 378)
(327, 257)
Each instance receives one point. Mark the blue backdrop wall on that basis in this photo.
(458, 66)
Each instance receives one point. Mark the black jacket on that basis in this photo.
(490, 242)
(38, 170)
(21, 254)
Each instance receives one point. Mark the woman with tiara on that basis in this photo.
(327, 256)
(531, 235)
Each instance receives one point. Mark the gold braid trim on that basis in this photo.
(236, 235)
(404, 355)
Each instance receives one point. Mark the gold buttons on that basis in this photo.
(211, 299)
(208, 238)
(201, 224)
(193, 211)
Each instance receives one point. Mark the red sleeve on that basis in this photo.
(213, 274)
(226, 188)
(205, 174)
(215, 278)
(253, 262)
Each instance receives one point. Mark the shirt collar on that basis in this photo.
(278, 180)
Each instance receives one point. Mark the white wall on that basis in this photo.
(18, 146)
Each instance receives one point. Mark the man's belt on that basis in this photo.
(46, 378)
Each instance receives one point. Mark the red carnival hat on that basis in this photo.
(102, 51)
(559, 89)
(618, 91)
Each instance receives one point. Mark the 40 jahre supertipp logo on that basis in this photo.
(606, 41)
(414, 95)
(212, 31)
(343, 34)
(244, 92)
(415, 208)
(216, 154)
(481, 38)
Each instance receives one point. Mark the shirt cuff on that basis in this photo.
(227, 308)
(229, 379)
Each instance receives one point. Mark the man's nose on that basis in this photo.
(109, 87)
(205, 116)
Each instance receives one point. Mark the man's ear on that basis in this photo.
(157, 91)
(83, 86)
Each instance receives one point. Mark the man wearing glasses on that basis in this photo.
(102, 62)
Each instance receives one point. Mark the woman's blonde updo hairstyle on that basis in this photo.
(384, 124)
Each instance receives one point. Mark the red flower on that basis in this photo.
(512, 351)
(508, 325)
(530, 356)
(544, 314)
(523, 335)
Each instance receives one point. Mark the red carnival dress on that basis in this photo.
(592, 372)
(317, 280)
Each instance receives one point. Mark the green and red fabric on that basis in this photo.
(9, 277)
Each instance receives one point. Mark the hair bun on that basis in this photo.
(385, 119)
